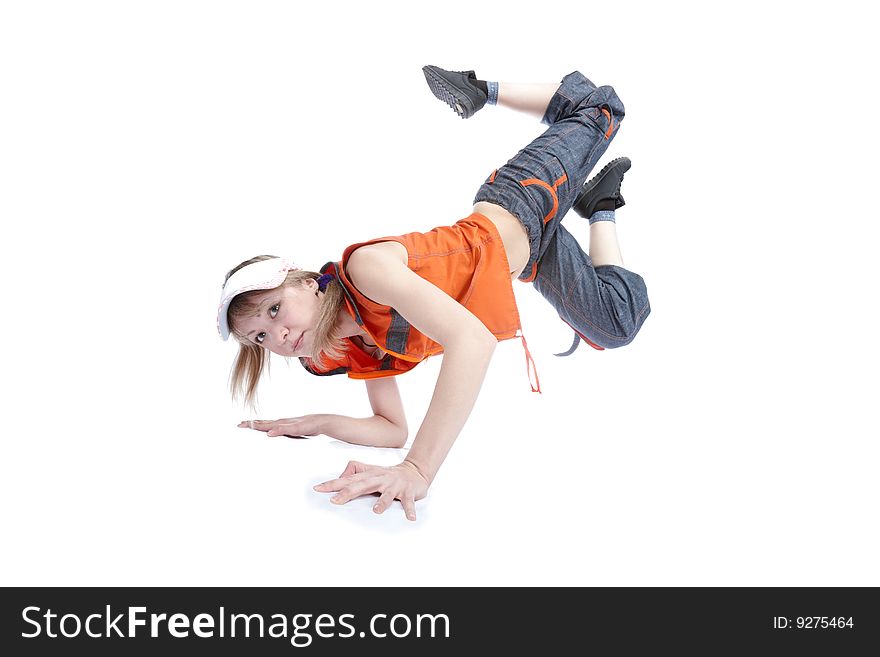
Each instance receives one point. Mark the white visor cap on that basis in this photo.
(262, 275)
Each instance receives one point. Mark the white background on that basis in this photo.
(147, 147)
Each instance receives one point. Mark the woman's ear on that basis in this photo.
(312, 285)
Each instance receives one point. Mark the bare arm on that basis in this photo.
(468, 347)
(374, 431)
(385, 428)
(465, 362)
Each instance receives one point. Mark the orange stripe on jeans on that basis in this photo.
(532, 275)
(552, 190)
(610, 123)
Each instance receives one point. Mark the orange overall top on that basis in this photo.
(466, 260)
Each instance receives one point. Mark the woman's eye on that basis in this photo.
(274, 310)
(259, 338)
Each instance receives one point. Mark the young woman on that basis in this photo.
(393, 301)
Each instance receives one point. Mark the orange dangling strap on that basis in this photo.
(530, 366)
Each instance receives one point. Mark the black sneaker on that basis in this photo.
(603, 189)
(455, 89)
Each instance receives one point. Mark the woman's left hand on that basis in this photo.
(401, 482)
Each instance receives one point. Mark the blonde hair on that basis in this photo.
(253, 360)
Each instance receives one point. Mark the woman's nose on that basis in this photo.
(282, 335)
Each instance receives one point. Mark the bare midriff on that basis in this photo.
(513, 235)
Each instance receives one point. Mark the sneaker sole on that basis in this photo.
(441, 89)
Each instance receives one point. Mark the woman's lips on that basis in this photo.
(299, 341)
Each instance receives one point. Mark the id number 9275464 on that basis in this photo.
(813, 622)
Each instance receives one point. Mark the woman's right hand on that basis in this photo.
(296, 427)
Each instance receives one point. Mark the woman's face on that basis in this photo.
(286, 319)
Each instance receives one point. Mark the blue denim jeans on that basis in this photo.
(605, 305)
